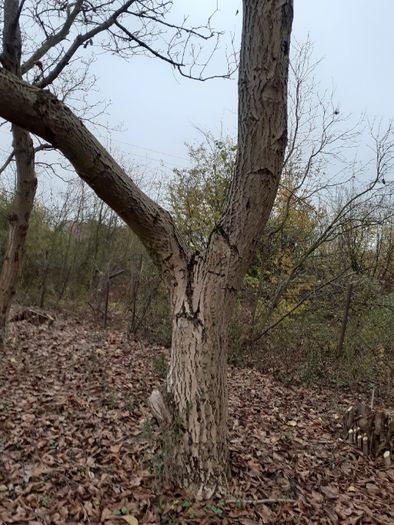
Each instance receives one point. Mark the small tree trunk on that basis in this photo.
(26, 177)
(342, 333)
(18, 222)
(106, 300)
(134, 290)
(44, 280)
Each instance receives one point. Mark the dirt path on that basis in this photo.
(77, 444)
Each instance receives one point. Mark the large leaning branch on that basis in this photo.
(40, 112)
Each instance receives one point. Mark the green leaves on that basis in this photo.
(197, 194)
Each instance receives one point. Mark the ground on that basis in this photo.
(77, 444)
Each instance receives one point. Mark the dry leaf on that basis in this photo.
(79, 454)
(131, 520)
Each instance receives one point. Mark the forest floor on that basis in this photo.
(77, 444)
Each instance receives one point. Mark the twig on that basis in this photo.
(261, 501)
(372, 396)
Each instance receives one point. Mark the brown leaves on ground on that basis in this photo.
(77, 444)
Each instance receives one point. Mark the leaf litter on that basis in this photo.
(78, 445)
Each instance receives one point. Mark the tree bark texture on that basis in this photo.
(203, 286)
(26, 182)
(197, 378)
(202, 314)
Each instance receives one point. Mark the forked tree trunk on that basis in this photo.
(197, 379)
(203, 286)
(18, 222)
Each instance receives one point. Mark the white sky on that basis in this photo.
(160, 111)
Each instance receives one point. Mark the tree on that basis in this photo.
(202, 284)
(23, 150)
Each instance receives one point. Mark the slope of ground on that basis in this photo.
(77, 444)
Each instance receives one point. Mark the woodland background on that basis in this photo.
(317, 304)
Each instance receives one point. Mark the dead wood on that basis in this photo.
(371, 430)
(33, 316)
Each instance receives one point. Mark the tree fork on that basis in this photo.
(203, 287)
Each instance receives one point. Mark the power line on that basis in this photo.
(152, 150)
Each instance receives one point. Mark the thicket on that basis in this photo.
(317, 304)
(313, 258)
(80, 256)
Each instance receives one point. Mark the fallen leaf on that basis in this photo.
(131, 520)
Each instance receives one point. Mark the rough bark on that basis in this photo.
(26, 182)
(262, 128)
(18, 222)
(197, 379)
(203, 286)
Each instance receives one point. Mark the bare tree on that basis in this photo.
(203, 285)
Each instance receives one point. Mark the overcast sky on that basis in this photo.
(161, 111)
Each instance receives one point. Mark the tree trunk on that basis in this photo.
(345, 318)
(196, 447)
(45, 271)
(203, 286)
(196, 453)
(18, 222)
(25, 172)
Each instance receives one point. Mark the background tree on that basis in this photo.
(23, 150)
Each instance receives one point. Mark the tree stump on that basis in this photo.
(370, 430)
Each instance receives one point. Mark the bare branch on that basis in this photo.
(7, 162)
(79, 41)
(53, 40)
(148, 48)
